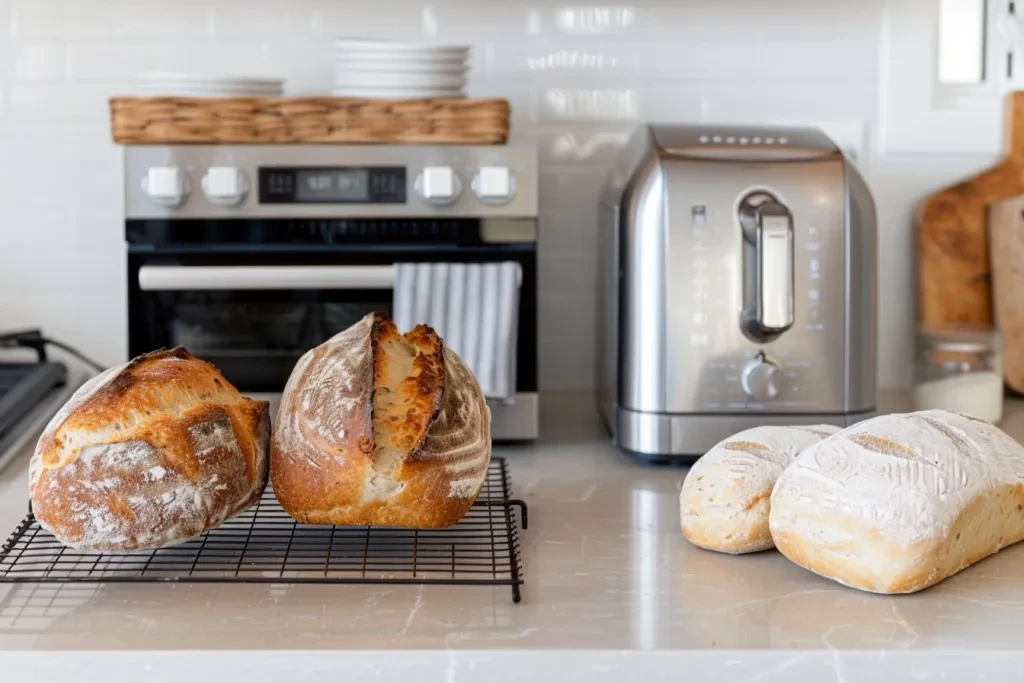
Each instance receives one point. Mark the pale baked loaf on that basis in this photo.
(149, 454)
(900, 502)
(723, 504)
(376, 427)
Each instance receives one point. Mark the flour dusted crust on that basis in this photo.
(723, 504)
(900, 502)
(380, 428)
(149, 454)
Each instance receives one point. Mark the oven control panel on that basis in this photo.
(330, 181)
(332, 185)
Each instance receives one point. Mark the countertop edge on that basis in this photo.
(597, 666)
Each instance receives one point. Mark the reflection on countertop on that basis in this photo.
(607, 571)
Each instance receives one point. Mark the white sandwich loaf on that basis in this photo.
(900, 502)
(723, 504)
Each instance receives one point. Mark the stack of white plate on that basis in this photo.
(196, 85)
(385, 69)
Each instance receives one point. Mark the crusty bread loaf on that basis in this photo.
(376, 427)
(148, 454)
(898, 503)
(723, 505)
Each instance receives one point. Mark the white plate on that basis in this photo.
(398, 94)
(390, 80)
(392, 46)
(404, 55)
(194, 80)
(185, 91)
(400, 65)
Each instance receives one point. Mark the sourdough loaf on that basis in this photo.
(376, 427)
(149, 454)
(898, 503)
(723, 504)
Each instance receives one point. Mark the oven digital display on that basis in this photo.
(332, 185)
(338, 185)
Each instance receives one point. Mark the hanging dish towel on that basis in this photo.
(475, 309)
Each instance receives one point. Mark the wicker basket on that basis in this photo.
(155, 120)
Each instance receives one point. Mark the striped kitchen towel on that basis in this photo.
(475, 309)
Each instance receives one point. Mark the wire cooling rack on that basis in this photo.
(265, 545)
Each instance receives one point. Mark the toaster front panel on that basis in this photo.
(691, 348)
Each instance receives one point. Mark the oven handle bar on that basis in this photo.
(205, 278)
(209, 278)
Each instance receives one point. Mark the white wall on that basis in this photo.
(578, 76)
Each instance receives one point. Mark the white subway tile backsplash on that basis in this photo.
(579, 78)
(568, 364)
(72, 18)
(380, 20)
(67, 103)
(705, 61)
(571, 191)
(267, 19)
(37, 62)
(559, 147)
(105, 61)
(586, 104)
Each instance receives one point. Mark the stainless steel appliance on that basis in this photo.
(738, 287)
(250, 255)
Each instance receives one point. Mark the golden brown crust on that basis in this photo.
(148, 454)
(414, 426)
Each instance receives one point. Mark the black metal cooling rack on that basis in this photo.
(265, 545)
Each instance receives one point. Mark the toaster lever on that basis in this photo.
(774, 268)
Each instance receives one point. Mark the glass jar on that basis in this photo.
(961, 371)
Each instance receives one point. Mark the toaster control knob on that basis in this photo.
(494, 185)
(224, 185)
(439, 185)
(760, 379)
(166, 185)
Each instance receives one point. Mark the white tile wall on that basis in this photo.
(578, 77)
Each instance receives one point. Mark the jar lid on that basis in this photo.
(961, 339)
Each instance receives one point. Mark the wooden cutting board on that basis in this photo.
(953, 271)
(1006, 242)
(954, 254)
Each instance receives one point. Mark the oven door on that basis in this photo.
(252, 322)
(254, 314)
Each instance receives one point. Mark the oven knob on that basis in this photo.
(224, 185)
(760, 378)
(166, 185)
(494, 185)
(439, 185)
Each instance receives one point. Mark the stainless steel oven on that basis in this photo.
(250, 255)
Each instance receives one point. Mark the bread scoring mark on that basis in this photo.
(132, 480)
(756, 449)
(883, 446)
(446, 424)
(963, 445)
(821, 431)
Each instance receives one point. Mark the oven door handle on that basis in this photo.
(205, 278)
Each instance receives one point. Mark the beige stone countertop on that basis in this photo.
(613, 592)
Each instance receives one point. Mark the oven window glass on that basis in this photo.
(255, 338)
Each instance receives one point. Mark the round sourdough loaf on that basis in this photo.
(376, 427)
(723, 504)
(148, 454)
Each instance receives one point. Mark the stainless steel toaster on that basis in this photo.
(738, 287)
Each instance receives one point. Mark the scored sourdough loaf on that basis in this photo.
(148, 454)
(900, 502)
(723, 504)
(376, 427)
